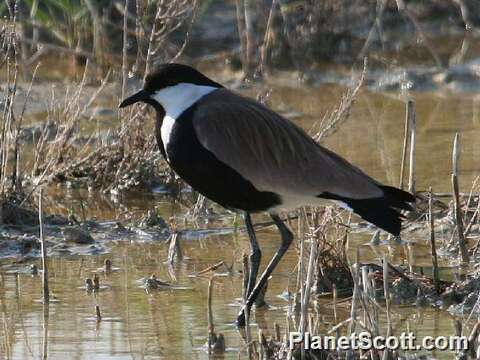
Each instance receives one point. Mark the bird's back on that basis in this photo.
(272, 152)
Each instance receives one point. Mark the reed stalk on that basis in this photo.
(409, 108)
(386, 291)
(46, 293)
(211, 329)
(97, 313)
(174, 248)
(246, 273)
(46, 318)
(261, 345)
(433, 249)
(124, 50)
(456, 201)
(413, 124)
(308, 285)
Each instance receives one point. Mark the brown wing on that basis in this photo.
(273, 153)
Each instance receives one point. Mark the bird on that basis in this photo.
(246, 157)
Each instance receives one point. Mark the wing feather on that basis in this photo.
(273, 153)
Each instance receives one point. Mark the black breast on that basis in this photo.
(209, 176)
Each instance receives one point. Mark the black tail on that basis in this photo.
(383, 211)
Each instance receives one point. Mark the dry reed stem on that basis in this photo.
(307, 288)
(49, 155)
(246, 272)
(433, 249)
(188, 32)
(16, 157)
(251, 38)
(456, 201)
(240, 12)
(276, 328)
(386, 291)
(97, 313)
(328, 125)
(413, 124)
(335, 311)
(473, 219)
(170, 16)
(473, 189)
(409, 108)
(125, 50)
(174, 249)
(8, 120)
(46, 293)
(46, 318)
(353, 309)
(265, 48)
(261, 345)
(211, 329)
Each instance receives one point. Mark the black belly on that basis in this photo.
(209, 176)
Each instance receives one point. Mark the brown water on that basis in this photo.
(172, 324)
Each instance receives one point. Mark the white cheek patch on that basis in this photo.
(175, 100)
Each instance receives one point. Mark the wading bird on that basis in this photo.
(246, 157)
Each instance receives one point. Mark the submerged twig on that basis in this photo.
(174, 249)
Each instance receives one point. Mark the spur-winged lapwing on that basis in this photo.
(246, 157)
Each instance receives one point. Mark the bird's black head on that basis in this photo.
(168, 76)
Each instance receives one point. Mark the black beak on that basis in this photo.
(142, 95)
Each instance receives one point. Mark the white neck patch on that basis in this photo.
(175, 100)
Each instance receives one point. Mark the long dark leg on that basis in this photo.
(287, 238)
(255, 254)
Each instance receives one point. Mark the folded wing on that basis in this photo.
(273, 153)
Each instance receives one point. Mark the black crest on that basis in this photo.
(172, 74)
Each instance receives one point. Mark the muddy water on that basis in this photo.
(172, 324)
(168, 324)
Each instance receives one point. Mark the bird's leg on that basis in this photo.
(255, 254)
(287, 238)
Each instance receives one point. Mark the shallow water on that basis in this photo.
(168, 324)
(172, 324)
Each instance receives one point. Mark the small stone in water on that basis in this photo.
(96, 282)
(153, 283)
(108, 265)
(88, 284)
(33, 269)
(77, 235)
